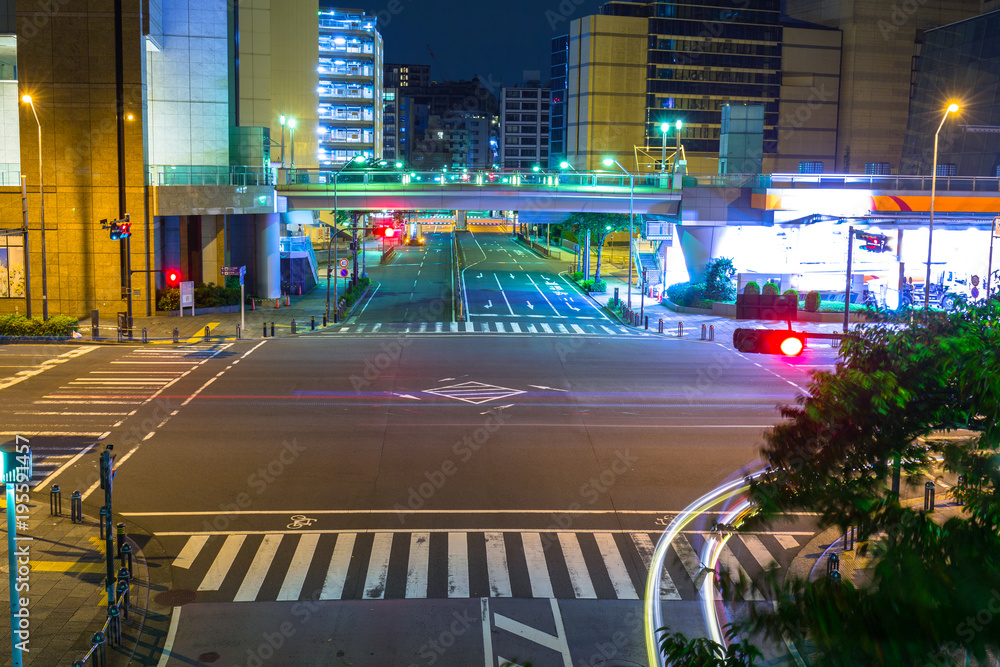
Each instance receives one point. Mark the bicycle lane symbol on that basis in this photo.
(300, 521)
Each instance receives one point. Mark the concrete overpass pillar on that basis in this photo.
(268, 239)
(461, 220)
(698, 245)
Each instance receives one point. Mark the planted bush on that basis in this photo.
(577, 276)
(688, 295)
(751, 288)
(769, 289)
(205, 296)
(719, 285)
(812, 301)
(792, 293)
(19, 325)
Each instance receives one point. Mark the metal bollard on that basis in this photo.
(76, 507)
(929, 496)
(680, 329)
(336, 316)
(832, 564)
(100, 654)
(239, 332)
(272, 329)
(293, 327)
(55, 501)
(145, 335)
(126, 556)
(312, 324)
(647, 322)
(120, 335)
(114, 625)
(103, 516)
(120, 539)
(711, 332)
(704, 332)
(324, 319)
(177, 335)
(208, 332)
(661, 325)
(849, 536)
(122, 589)
(93, 333)
(835, 577)
(265, 329)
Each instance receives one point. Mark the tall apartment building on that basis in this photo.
(469, 104)
(524, 127)
(557, 115)
(350, 86)
(402, 76)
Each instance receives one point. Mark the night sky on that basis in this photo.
(496, 40)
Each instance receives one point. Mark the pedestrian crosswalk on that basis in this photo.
(525, 328)
(284, 566)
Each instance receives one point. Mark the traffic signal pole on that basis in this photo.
(126, 248)
(847, 293)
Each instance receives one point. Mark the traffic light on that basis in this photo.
(769, 341)
(873, 242)
(173, 277)
(116, 232)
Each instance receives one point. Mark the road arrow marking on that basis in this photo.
(479, 276)
(530, 306)
(512, 277)
(446, 380)
(549, 388)
(489, 305)
(502, 407)
(414, 398)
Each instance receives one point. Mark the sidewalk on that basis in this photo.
(302, 309)
(66, 599)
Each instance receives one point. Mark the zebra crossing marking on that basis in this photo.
(418, 565)
(223, 561)
(644, 546)
(458, 565)
(254, 578)
(378, 567)
(190, 551)
(291, 588)
(579, 575)
(758, 551)
(620, 578)
(538, 572)
(496, 566)
(336, 574)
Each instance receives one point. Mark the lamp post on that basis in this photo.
(677, 135)
(952, 108)
(329, 266)
(291, 140)
(608, 161)
(41, 194)
(282, 120)
(664, 128)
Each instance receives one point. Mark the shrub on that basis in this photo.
(792, 293)
(19, 325)
(812, 301)
(577, 276)
(751, 288)
(205, 296)
(688, 295)
(769, 289)
(719, 274)
(594, 285)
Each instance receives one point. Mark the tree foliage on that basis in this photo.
(935, 587)
(599, 225)
(703, 652)
(719, 275)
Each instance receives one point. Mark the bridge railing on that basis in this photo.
(871, 182)
(322, 179)
(239, 176)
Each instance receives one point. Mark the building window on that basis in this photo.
(878, 169)
(947, 170)
(810, 167)
(11, 267)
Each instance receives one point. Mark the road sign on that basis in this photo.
(343, 263)
(975, 281)
(187, 297)
(344, 273)
(17, 461)
(234, 270)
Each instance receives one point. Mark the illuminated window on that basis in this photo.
(878, 168)
(810, 167)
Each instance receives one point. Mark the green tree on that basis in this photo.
(719, 275)
(600, 225)
(841, 452)
(703, 652)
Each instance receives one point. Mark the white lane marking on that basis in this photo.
(497, 278)
(620, 579)
(223, 561)
(378, 567)
(729, 563)
(554, 309)
(515, 327)
(458, 565)
(291, 588)
(547, 328)
(168, 643)
(499, 326)
(578, 329)
(555, 642)
(579, 575)
(45, 482)
(336, 574)
(193, 547)
(23, 375)
(484, 617)
(758, 551)
(689, 559)
(254, 578)
(562, 328)
(454, 327)
(787, 541)
(417, 567)
(668, 591)
(496, 566)
(538, 571)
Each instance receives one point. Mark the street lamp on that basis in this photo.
(664, 128)
(291, 140)
(357, 159)
(608, 161)
(282, 120)
(41, 194)
(566, 165)
(952, 108)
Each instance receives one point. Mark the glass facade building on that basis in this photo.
(692, 77)
(350, 86)
(958, 63)
(557, 118)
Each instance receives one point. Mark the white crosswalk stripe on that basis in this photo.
(396, 565)
(479, 326)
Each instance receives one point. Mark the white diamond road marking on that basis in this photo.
(475, 393)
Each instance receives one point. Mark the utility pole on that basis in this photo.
(125, 249)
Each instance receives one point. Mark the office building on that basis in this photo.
(403, 76)
(524, 127)
(350, 86)
(456, 105)
(958, 63)
(557, 115)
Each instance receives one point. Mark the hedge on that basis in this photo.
(19, 325)
(688, 295)
(205, 296)
(769, 289)
(751, 288)
(812, 301)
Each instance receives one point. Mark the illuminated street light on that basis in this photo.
(282, 120)
(566, 165)
(952, 108)
(608, 161)
(41, 194)
(291, 140)
(664, 128)
(357, 159)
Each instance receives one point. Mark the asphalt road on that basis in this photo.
(415, 286)
(419, 498)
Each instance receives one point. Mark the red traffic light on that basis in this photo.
(173, 277)
(769, 341)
